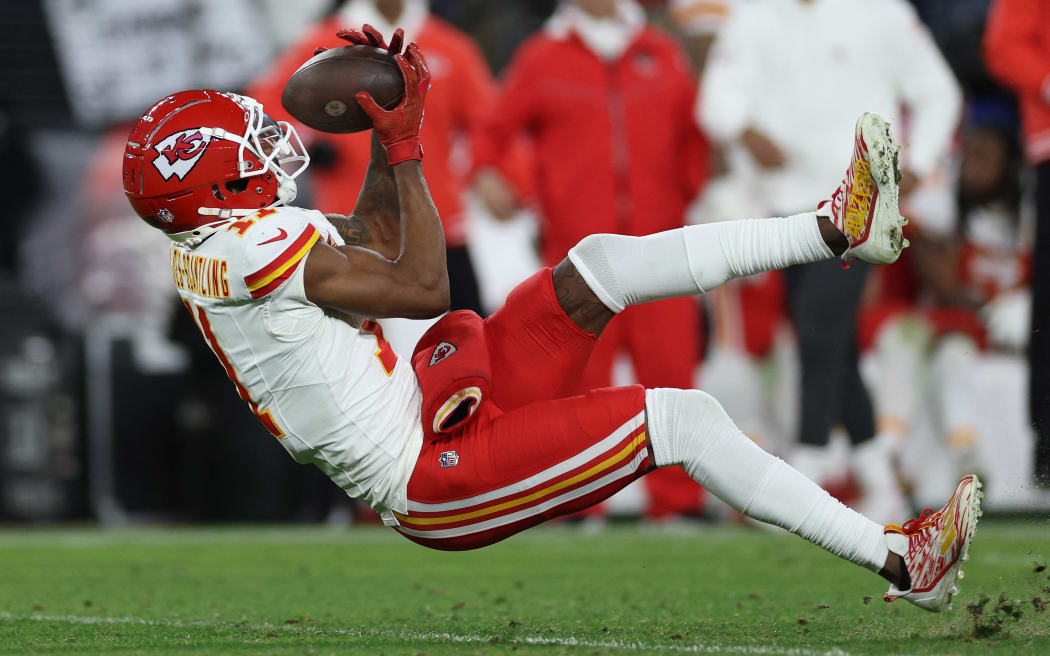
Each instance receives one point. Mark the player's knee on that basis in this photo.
(680, 418)
(592, 260)
(701, 409)
(591, 246)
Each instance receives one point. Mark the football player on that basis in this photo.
(277, 292)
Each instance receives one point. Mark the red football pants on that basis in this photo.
(529, 455)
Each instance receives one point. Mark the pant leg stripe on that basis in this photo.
(459, 531)
(632, 447)
(545, 476)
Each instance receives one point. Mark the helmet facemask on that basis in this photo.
(267, 146)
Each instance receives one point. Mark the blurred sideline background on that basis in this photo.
(113, 409)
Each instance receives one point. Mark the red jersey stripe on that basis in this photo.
(275, 283)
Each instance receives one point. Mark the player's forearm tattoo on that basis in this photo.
(376, 221)
(352, 229)
(378, 199)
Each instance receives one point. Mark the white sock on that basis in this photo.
(624, 271)
(690, 428)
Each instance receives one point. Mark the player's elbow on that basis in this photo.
(431, 298)
(439, 298)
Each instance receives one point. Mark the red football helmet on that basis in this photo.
(201, 157)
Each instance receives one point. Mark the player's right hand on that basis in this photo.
(495, 193)
(398, 129)
(763, 150)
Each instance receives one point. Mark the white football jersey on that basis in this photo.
(331, 394)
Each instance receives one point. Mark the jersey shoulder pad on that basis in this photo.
(270, 247)
(329, 233)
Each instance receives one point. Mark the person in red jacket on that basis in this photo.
(462, 83)
(607, 103)
(1017, 53)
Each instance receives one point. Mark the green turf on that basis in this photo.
(293, 590)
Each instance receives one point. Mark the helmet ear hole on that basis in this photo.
(215, 191)
(236, 186)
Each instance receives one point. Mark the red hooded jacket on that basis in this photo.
(615, 146)
(1017, 53)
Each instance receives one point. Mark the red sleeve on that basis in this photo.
(477, 94)
(475, 87)
(512, 112)
(1012, 50)
(695, 158)
(694, 150)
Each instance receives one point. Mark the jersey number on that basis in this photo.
(384, 353)
(200, 317)
(241, 227)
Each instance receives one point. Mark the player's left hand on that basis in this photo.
(369, 36)
(398, 129)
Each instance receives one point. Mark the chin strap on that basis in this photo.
(286, 192)
(224, 213)
(194, 238)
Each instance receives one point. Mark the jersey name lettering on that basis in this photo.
(205, 276)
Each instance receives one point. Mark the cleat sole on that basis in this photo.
(974, 507)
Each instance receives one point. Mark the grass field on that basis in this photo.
(627, 589)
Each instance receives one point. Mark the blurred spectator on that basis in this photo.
(788, 79)
(978, 276)
(607, 103)
(462, 88)
(1017, 52)
(947, 328)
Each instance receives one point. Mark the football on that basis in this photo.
(320, 94)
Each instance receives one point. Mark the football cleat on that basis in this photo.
(934, 547)
(864, 207)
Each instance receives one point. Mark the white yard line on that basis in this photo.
(423, 636)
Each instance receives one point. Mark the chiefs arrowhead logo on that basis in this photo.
(178, 153)
(441, 351)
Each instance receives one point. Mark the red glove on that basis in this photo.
(369, 36)
(398, 129)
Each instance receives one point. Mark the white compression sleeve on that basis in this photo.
(690, 428)
(624, 271)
